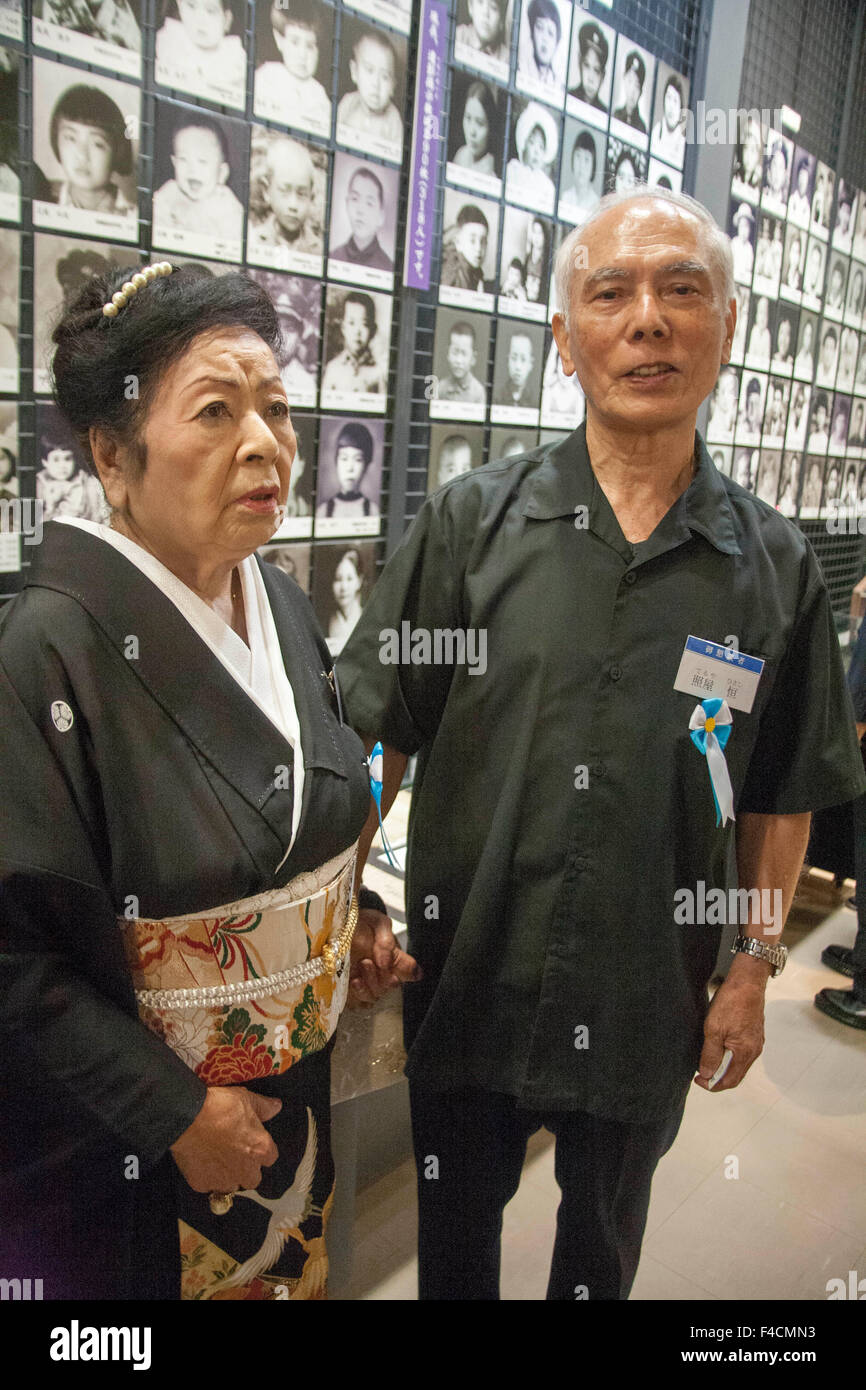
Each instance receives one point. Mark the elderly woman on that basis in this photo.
(178, 827)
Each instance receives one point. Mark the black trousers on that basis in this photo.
(469, 1150)
(859, 952)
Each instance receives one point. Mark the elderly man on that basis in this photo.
(574, 804)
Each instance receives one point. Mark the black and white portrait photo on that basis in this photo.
(738, 345)
(288, 180)
(858, 241)
(349, 477)
(778, 156)
(818, 433)
(759, 340)
(723, 458)
(343, 578)
(453, 450)
(507, 442)
(199, 173)
(804, 358)
(12, 19)
(482, 39)
(524, 270)
(857, 433)
(668, 139)
(106, 33)
(661, 175)
(581, 178)
(769, 471)
(813, 273)
(769, 254)
(294, 560)
(363, 232)
(744, 469)
(798, 416)
(563, 404)
(776, 412)
(832, 487)
(625, 166)
(517, 370)
(85, 152)
(750, 412)
(534, 156)
(294, 58)
(748, 158)
(630, 115)
(802, 186)
(200, 49)
(297, 514)
(357, 342)
(64, 484)
(372, 89)
(813, 485)
(789, 485)
(590, 71)
(784, 339)
(843, 224)
(828, 354)
(61, 267)
(837, 286)
(470, 235)
(10, 271)
(822, 200)
(741, 230)
(461, 345)
(722, 419)
(855, 300)
(298, 305)
(542, 49)
(476, 134)
(793, 259)
(10, 180)
(839, 418)
(847, 366)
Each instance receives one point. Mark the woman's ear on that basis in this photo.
(106, 458)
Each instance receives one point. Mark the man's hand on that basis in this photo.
(378, 964)
(227, 1145)
(735, 1020)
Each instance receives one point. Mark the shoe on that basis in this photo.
(839, 958)
(843, 1005)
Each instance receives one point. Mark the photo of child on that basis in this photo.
(64, 484)
(343, 578)
(294, 54)
(10, 182)
(460, 349)
(453, 452)
(535, 144)
(542, 49)
(297, 515)
(349, 482)
(476, 130)
(61, 265)
(372, 90)
(298, 306)
(357, 341)
(10, 269)
(198, 158)
(483, 36)
(199, 49)
(363, 231)
(287, 202)
(85, 171)
(525, 265)
(293, 560)
(517, 374)
(106, 33)
(469, 236)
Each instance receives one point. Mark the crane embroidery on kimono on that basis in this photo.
(287, 1214)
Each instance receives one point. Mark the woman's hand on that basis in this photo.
(378, 964)
(227, 1145)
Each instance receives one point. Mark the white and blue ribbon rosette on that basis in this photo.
(710, 727)
(375, 764)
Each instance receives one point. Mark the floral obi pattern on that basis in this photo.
(247, 989)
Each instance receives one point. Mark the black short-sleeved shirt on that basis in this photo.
(537, 905)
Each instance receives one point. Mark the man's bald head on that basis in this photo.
(573, 254)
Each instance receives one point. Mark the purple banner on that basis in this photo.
(426, 126)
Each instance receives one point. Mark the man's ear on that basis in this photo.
(106, 457)
(560, 334)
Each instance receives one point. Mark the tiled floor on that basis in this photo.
(763, 1195)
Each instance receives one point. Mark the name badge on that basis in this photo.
(711, 671)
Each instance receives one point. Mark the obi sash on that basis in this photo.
(248, 989)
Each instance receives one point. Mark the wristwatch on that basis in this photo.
(774, 955)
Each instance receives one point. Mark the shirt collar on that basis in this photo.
(564, 481)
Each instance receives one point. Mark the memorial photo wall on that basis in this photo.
(547, 108)
(262, 137)
(787, 417)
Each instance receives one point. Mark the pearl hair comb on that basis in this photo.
(131, 287)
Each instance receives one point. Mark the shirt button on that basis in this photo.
(598, 770)
(615, 672)
(630, 577)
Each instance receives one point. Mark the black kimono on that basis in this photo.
(166, 790)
